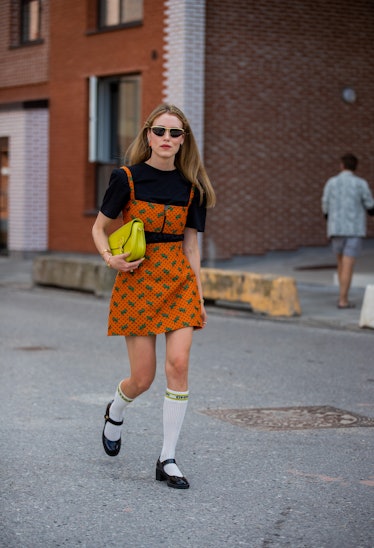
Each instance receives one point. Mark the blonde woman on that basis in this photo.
(168, 188)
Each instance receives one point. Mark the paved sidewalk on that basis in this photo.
(312, 268)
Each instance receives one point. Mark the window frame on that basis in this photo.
(101, 16)
(104, 124)
(24, 33)
(107, 113)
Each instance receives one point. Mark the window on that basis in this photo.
(117, 124)
(30, 21)
(120, 12)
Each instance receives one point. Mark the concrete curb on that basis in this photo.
(264, 293)
(367, 310)
(73, 273)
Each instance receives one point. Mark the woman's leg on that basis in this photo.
(142, 356)
(178, 345)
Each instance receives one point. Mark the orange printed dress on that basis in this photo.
(161, 295)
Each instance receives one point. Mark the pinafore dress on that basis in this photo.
(161, 295)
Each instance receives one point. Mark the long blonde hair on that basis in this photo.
(187, 159)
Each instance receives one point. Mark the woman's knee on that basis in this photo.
(136, 384)
(177, 365)
(144, 382)
(142, 356)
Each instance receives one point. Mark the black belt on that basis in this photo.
(161, 237)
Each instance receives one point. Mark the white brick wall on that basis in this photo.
(27, 131)
(184, 68)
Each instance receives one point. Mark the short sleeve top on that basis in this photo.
(156, 186)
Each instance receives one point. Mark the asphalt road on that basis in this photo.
(252, 485)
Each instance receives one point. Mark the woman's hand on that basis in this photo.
(118, 262)
(204, 315)
(192, 252)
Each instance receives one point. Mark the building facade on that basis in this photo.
(276, 123)
(24, 126)
(275, 92)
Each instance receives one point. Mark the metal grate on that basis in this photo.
(290, 418)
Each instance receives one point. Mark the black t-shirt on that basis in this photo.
(153, 185)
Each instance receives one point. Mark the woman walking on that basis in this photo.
(166, 185)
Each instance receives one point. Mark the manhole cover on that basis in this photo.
(291, 418)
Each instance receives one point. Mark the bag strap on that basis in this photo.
(131, 182)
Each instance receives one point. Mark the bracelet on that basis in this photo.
(102, 253)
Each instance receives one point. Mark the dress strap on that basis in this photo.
(131, 182)
(192, 193)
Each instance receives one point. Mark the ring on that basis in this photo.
(131, 271)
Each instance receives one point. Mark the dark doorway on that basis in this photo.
(4, 176)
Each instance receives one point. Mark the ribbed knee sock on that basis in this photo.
(117, 408)
(175, 406)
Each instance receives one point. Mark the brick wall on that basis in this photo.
(77, 52)
(275, 123)
(22, 65)
(27, 131)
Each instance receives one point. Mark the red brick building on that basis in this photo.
(263, 82)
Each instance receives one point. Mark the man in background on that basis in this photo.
(345, 201)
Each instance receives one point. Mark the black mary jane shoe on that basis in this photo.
(172, 481)
(111, 448)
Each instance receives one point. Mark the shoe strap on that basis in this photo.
(168, 461)
(116, 423)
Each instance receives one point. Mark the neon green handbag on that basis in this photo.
(130, 238)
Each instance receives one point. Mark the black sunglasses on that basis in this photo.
(173, 131)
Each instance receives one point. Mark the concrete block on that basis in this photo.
(367, 309)
(73, 273)
(264, 293)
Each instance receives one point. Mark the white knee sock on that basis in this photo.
(111, 431)
(175, 406)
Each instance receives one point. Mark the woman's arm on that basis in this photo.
(100, 238)
(192, 252)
